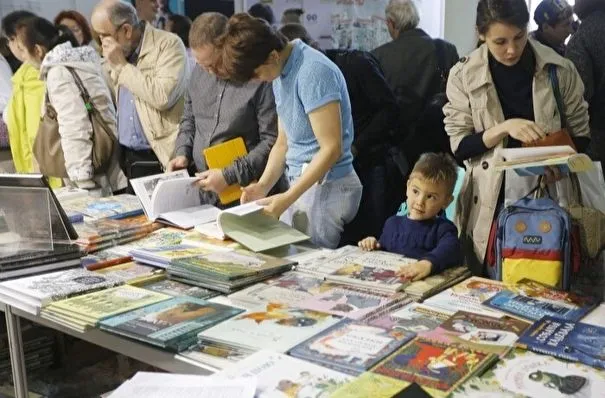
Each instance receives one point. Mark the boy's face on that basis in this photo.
(426, 199)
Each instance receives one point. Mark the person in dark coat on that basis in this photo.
(555, 23)
(586, 49)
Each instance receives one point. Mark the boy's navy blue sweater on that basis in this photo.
(434, 240)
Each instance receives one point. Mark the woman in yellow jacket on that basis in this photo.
(22, 113)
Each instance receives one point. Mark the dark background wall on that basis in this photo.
(193, 8)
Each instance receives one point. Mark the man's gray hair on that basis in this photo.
(403, 14)
(123, 12)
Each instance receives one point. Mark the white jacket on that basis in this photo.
(75, 127)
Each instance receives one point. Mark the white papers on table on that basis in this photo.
(166, 385)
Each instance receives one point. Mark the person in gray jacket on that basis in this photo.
(217, 111)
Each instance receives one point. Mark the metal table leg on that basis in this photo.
(15, 342)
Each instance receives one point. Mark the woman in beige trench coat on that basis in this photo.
(501, 96)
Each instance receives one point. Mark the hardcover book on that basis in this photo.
(413, 317)
(479, 332)
(468, 296)
(435, 283)
(276, 327)
(280, 376)
(576, 342)
(129, 272)
(531, 300)
(175, 289)
(216, 355)
(117, 206)
(377, 270)
(319, 262)
(161, 238)
(161, 256)
(540, 376)
(437, 367)
(351, 347)
(172, 323)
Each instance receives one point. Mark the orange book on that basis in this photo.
(221, 156)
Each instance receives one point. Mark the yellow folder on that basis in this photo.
(221, 156)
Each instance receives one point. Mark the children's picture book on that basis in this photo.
(172, 324)
(596, 317)
(414, 317)
(175, 289)
(291, 289)
(437, 367)
(532, 300)
(162, 256)
(280, 376)
(162, 237)
(117, 206)
(129, 272)
(251, 227)
(319, 262)
(216, 355)
(351, 347)
(430, 285)
(221, 156)
(275, 326)
(539, 376)
(533, 161)
(194, 238)
(576, 342)
(483, 387)
(370, 385)
(377, 270)
(468, 296)
(479, 332)
(93, 307)
(184, 210)
(349, 302)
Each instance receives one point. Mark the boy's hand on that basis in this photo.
(369, 244)
(416, 271)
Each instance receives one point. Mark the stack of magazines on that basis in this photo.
(227, 271)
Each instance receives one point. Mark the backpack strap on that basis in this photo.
(554, 81)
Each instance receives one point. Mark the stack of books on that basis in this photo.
(19, 262)
(227, 271)
(162, 256)
(38, 349)
(32, 293)
(84, 312)
(429, 286)
(171, 324)
(116, 207)
(105, 233)
(175, 288)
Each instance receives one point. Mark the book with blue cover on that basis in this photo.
(172, 324)
(573, 341)
(351, 347)
(525, 304)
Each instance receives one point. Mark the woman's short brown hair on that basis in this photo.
(79, 19)
(246, 45)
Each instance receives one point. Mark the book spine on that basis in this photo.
(108, 263)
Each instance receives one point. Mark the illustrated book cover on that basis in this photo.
(468, 296)
(413, 317)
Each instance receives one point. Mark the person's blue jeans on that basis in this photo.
(325, 208)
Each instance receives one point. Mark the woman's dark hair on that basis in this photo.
(262, 11)
(10, 22)
(245, 46)
(583, 8)
(181, 25)
(6, 52)
(509, 12)
(79, 19)
(296, 31)
(42, 32)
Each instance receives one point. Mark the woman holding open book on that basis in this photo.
(315, 128)
(504, 94)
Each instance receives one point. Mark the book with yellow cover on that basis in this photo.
(222, 155)
(370, 385)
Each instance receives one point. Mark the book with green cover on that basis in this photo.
(103, 304)
(171, 324)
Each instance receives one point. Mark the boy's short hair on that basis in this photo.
(438, 168)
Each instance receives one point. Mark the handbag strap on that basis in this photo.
(554, 81)
(90, 107)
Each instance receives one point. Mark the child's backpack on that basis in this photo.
(533, 240)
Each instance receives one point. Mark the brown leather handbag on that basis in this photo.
(47, 145)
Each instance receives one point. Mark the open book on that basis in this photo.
(532, 161)
(172, 198)
(248, 225)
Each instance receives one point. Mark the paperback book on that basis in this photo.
(429, 286)
(351, 347)
(540, 376)
(468, 296)
(117, 206)
(171, 324)
(533, 161)
(219, 356)
(437, 367)
(371, 385)
(130, 272)
(531, 300)
(375, 270)
(161, 256)
(479, 332)
(175, 289)
(576, 342)
(414, 317)
(281, 376)
(161, 238)
(319, 262)
(276, 327)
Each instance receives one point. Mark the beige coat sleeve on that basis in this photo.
(576, 108)
(162, 89)
(458, 115)
(74, 125)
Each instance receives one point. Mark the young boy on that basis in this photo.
(424, 233)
